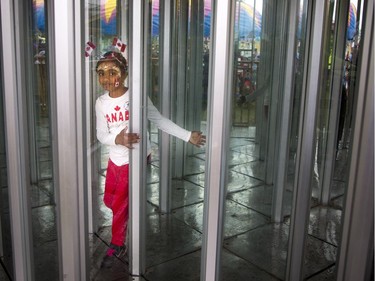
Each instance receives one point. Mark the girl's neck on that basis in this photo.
(118, 92)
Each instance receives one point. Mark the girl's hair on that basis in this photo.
(116, 57)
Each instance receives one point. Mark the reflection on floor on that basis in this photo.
(254, 248)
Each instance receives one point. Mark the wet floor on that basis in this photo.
(254, 248)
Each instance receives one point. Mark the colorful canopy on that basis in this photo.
(249, 19)
(352, 22)
(246, 17)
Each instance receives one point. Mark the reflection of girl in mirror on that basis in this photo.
(112, 125)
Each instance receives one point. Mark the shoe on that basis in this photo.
(113, 252)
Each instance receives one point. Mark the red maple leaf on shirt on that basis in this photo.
(117, 108)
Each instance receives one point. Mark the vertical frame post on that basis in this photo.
(16, 138)
(286, 115)
(138, 124)
(337, 68)
(355, 259)
(166, 8)
(194, 96)
(67, 76)
(218, 137)
(306, 145)
(179, 87)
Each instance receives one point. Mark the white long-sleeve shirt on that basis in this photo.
(112, 116)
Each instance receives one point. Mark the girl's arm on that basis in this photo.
(165, 124)
(102, 131)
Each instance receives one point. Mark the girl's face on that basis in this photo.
(110, 76)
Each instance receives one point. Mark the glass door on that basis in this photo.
(180, 49)
(106, 35)
(43, 205)
(269, 66)
(28, 105)
(334, 130)
(40, 110)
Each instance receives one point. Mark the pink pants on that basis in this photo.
(116, 197)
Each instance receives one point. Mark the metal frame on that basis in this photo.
(356, 256)
(194, 97)
(16, 138)
(280, 178)
(276, 86)
(218, 131)
(264, 130)
(2, 146)
(306, 146)
(165, 194)
(337, 68)
(34, 157)
(179, 87)
(138, 123)
(91, 157)
(68, 145)
(82, 146)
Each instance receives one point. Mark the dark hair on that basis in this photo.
(116, 57)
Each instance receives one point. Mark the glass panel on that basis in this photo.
(299, 72)
(326, 217)
(248, 30)
(168, 236)
(255, 247)
(46, 263)
(154, 94)
(6, 255)
(174, 240)
(106, 41)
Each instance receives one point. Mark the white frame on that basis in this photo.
(306, 142)
(355, 259)
(137, 187)
(69, 171)
(14, 78)
(218, 137)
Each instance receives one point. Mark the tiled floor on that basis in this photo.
(3, 275)
(254, 248)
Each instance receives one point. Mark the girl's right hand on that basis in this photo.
(197, 138)
(127, 139)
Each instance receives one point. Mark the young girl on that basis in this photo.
(112, 125)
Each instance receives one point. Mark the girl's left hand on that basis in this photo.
(197, 138)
